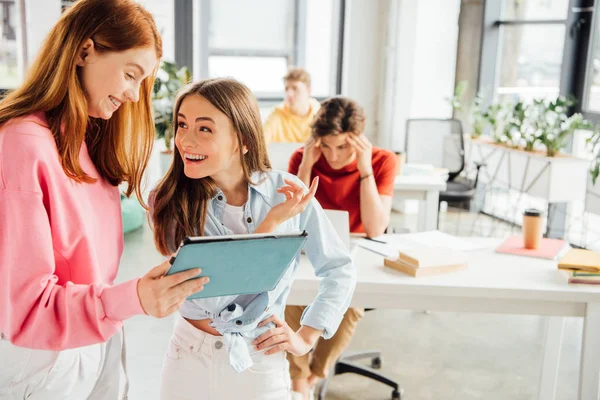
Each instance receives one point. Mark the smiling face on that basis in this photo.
(205, 139)
(109, 79)
(337, 151)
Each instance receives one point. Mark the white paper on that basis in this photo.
(436, 239)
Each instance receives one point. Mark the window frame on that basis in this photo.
(491, 45)
(192, 20)
(585, 63)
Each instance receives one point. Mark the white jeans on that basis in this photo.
(196, 367)
(90, 372)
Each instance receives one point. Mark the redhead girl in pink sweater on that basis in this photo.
(80, 124)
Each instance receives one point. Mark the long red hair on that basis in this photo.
(119, 147)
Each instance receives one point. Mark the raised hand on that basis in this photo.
(295, 202)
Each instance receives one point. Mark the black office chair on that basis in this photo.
(346, 364)
(440, 142)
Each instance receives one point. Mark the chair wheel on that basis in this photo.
(376, 363)
(395, 395)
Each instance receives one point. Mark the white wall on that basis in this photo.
(41, 17)
(420, 63)
(363, 51)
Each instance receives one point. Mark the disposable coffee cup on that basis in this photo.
(401, 160)
(532, 228)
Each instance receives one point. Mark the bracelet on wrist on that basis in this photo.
(366, 176)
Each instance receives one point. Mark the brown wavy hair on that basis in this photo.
(180, 203)
(119, 147)
(338, 115)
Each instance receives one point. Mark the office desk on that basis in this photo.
(493, 283)
(426, 189)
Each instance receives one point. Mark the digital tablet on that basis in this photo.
(238, 264)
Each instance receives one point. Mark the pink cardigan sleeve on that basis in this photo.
(36, 312)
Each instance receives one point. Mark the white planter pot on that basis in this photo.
(555, 179)
(592, 196)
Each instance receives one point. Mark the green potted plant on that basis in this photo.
(554, 127)
(168, 81)
(495, 116)
(517, 129)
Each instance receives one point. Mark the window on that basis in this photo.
(256, 41)
(10, 75)
(533, 10)
(530, 43)
(252, 41)
(322, 41)
(592, 85)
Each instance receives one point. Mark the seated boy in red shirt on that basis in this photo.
(353, 176)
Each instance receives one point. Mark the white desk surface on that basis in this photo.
(420, 182)
(493, 283)
(490, 277)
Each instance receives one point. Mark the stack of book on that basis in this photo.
(427, 261)
(581, 266)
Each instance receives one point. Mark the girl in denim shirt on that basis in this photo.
(220, 183)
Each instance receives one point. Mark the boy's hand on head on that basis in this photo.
(312, 152)
(364, 150)
(295, 202)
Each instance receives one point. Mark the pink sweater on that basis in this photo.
(60, 246)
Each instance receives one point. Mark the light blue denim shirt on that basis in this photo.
(236, 318)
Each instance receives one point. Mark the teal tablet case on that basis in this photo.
(238, 264)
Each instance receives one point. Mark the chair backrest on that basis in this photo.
(438, 142)
(341, 222)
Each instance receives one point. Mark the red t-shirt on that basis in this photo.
(340, 189)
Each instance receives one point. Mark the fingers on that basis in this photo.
(266, 321)
(362, 138)
(292, 184)
(273, 340)
(296, 188)
(176, 306)
(286, 191)
(160, 270)
(313, 186)
(187, 288)
(278, 323)
(289, 192)
(354, 142)
(278, 348)
(267, 335)
(176, 279)
(311, 193)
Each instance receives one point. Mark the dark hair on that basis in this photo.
(338, 115)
